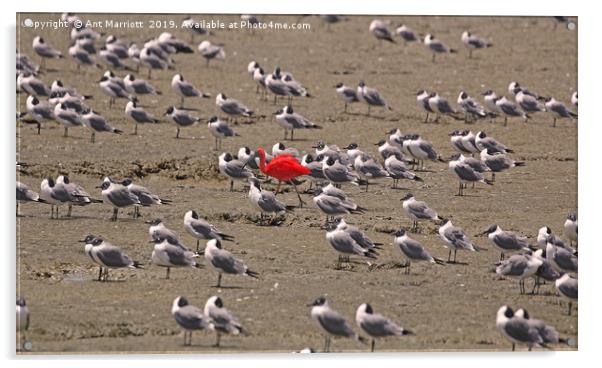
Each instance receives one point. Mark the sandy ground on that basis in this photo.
(449, 307)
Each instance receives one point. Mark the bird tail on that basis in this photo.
(226, 237)
(572, 114)
(439, 261)
(198, 265)
(487, 181)
(253, 274)
(290, 208)
(509, 150)
(206, 95)
(406, 332)
(361, 339)
(417, 178)
(88, 97)
(158, 92)
(315, 126)
(165, 201)
(488, 45)
(358, 209)
(478, 248)
(40, 200)
(453, 51)
(138, 265)
(117, 131)
(519, 163)
(441, 159)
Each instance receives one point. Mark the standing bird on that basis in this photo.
(371, 96)
(466, 174)
(211, 51)
(380, 30)
(112, 87)
(568, 287)
(290, 120)
(32, 85)
(189, 317)
(509, 109)
(412, 250)
(516, 329)
(376, 325)
(185, 89)
(558, 110)
(484, 142)
(40, 110)
(436, 46)
(22, 319)
(231, 106)
(224, 262)
(332, 322)
(407, 34)
(471, 107)
(24, 194)
(220, 130)
(369, 168)
(233, 169)
(398, 170)
(69, 118)
(561, 259)
(166, 254)
(344, 243)
(473, 42)
(138, 114)
(265, 200)
(118, 196)
(422, 99)
(107, 255)
(139, 86)
(201, 229)
(285, 168)
(45, 51)
(418, 211)
(181, 118)
(456, 239)
(332, 202)
(441, 106)
(145, 196)
(519, 266)
(571, 228)
(96, 123)
(347, 94)
(506, 241)
(498, 162)
(221, 320)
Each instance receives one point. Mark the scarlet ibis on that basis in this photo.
(284, 167)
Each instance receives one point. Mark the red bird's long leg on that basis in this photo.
(278, 187)
(298, 195)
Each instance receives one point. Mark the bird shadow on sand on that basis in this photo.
(456, 263)
(233, 287)
(189, 108)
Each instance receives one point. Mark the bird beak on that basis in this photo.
(98, 186)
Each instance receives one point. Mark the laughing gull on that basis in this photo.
(189, 317)
(24, 194)
(371, 96)
(332, 322)
(138, 114)
(412, 250)
(112, 87)
(116, 46)
(422, 99)
(472, 41)
(455, 238)
(96, 123)
(210, 51)
(157, 229)
(152, 61)
(40, 110)
(201, 229)
(575, 99)
(275, 83)
(376, 325)
(22, 315)
(506, 241)
(233, 169)
(32, 85)
(546, 271)
(50, 195)
(457, 141)
(221, 320)
(483, 141)
(250, 158)
(516, 329)
(173, 45)
(264, 200)
(118, 196)
(519, 266)
(334, 206)
(45, 51)
(295, 88)
(398, 170)
(111, 59)
(347, 94)
(544, 235)
(82, 56)
(558, 110)
(356, 234)
(259, 77)
(436, 46)
(471, 107)
(71, 193)
(107, 255)
(25, 65)
(181, 118)
(353, 151)
(509, 109)
(231, 106)
(145, 196)
(568, 287)
(290, 120)
(418, 211)
(345, 244)
(134, 54)
(407, 34)
(571, 228)
(548, 334)
(139, 86)
(386, 150)
(489, 98)
(315, 165)
(368, 168)
(166, 254)
(380, 30)
(185, 89)
(280, 149)
(220, 130)
(563, 260)
(527, 102)
(441, 106)
(223, 261)
(513, 88)
(498, 162)
(421, 150)
(71, 102)
(338, 173)
(466, 174)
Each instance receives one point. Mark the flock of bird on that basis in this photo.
(400, 156)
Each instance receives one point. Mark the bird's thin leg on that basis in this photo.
(433, 59)
(92, 137)
(367, 185)
(217, 339)
(470, 53)
(292, 133)
(69, 208)
(181, 102)
(570, 307)
(449, 256)
(66, 133)
(278, 187)
(298, 195)
(99, 273)
(177, 132)
(115, 210)
(198, 242)
(372, 347)
(345, 109)
(554, 125)
(427, 118)
(455, 251)
(505, 121)
(167, 274)
(185, 335)
(135, 128)
(231, 185)
(219, 280)
(513, 346)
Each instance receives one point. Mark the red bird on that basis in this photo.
(284, 167)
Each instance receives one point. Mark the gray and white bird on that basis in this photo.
(332, 205)
(112, 87)
(41, 111)
(116, 46)
(422, 99)
(498, 162)
(418, 211)
(455, 239)
(376, 325)
(332, 322)
(264, 200)
(357, 235)
(473, 42)
(150, 60)
(436, 46)
(107, 256)
(519, 266)
(231, 106)
(368, 168)
(166, 254)
(82, 56)
(571, 225)
(397, 170)
(407, 34)
(224, 262)
(575, 99)
(371, 96)
(568, 287)
(489, 98)
(347, 94)
(466, 174)
(290, 120)
(221, 320)
(220, 130)
(484, 142)
(420, 149)
(338, 173)
(69, 118)
(233, 169)
(189, 317)
(516, 329)
(509, 109)
(506, 241)
(381, 31)
(562, 259)
(471, 108)
(111, 59)
(181, 118)
(185, 89)
(558, 110)
(386, 150)
(32, 85)
(157, 229)
(145, 196)
(118, 196)
(71, 193)
(22, 315)
(24, 194)
(441, 106)
(346, 245)
(139, 86)
(412, 250)
(548, 334)
(527, 102)
(96, 123)
(45, 50)
(202, 229)
(138, 115)
(210, 51)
